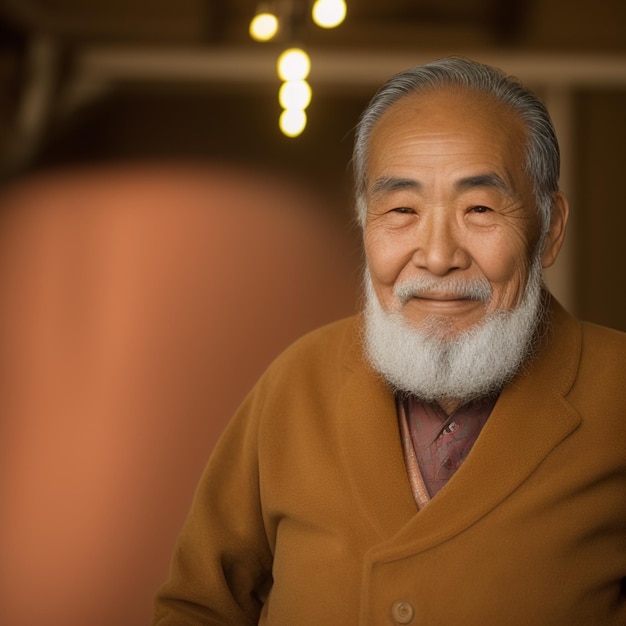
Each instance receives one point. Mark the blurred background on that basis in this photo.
(161, 240)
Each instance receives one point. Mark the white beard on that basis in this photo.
(471, 364)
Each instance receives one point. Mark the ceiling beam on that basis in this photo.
(367, 68)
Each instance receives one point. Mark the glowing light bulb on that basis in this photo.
(293, 64)
(295, 94)
(329, 13)
(263, 26)
(293, 67)
(292, 122)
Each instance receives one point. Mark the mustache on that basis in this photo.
(475, 289)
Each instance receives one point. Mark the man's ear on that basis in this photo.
(556, 232)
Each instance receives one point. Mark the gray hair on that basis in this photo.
(542, 148)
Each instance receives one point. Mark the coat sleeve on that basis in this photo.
(221, 568)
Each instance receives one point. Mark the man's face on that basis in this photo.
(448, 198)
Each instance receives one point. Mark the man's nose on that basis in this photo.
(440, 247)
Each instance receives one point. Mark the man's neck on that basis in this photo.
(449, 405)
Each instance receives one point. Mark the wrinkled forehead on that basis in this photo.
(446, 119)
(451, 108)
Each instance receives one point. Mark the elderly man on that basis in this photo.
(457, 454)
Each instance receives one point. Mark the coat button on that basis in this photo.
(402, 612)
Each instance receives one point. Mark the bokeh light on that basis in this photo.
(295, 94)
(263, 26)
(329, 13)
(292, 122)
(293, 64)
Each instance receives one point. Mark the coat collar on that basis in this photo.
(531, 417)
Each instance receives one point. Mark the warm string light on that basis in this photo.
(294, 65)
(329, 13)
(295, 93)
(263, 26)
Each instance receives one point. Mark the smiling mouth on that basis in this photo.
(442, 291)
(441, 297)
(444, 302)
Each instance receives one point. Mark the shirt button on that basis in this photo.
(402, 612)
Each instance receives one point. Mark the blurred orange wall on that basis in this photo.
(137, 307)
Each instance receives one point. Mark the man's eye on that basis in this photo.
(402, 209)
(480, 209)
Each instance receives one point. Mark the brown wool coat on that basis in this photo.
(309, 483)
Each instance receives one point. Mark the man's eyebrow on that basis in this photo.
(388, 184)
(490, 179)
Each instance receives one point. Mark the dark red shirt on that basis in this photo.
(441, 442)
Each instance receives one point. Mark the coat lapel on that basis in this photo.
(371, 446)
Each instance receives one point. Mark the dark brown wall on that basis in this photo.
(601, 188)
